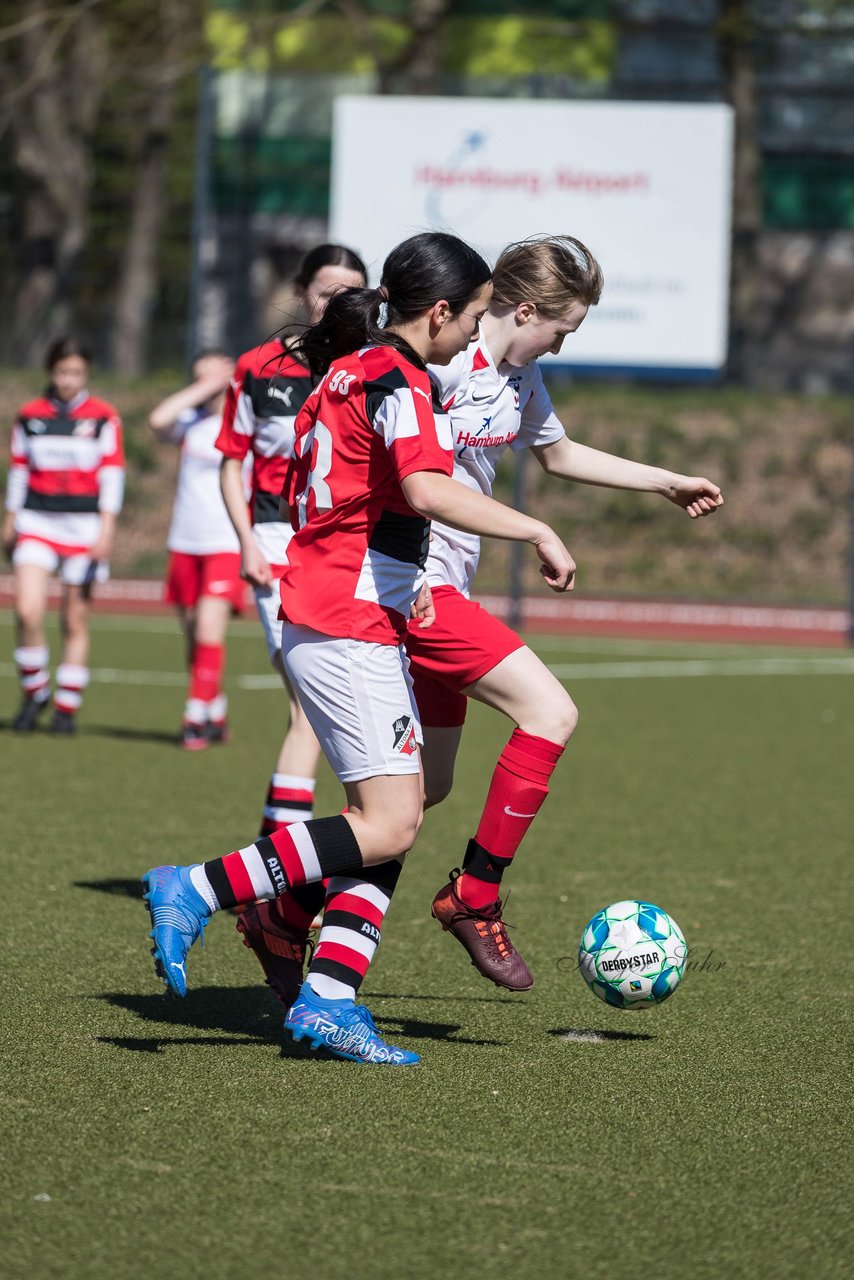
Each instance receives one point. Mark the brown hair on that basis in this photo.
(551, 271)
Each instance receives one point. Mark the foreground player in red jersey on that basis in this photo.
(267, 392)
(64, 492)
(372, 467)
(203, 577)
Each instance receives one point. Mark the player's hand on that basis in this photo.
(558, 566)
(696, 495)
(424, 611)
(254, 569)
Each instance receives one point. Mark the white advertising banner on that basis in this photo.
(646, 186)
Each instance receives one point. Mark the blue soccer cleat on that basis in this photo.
(178, 914)
(344, 1028)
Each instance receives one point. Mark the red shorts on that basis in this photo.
(463, 644)
(189, 577)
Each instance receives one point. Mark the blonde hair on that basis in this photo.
(550, 271)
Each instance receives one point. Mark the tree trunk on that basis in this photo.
(60, 65)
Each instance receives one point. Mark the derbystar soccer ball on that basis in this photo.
(632, 955)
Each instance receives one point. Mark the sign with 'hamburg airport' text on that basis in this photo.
(646, 186)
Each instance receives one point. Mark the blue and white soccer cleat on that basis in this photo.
(343, 1027)
(178, 914)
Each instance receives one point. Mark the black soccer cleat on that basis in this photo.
(28, 714)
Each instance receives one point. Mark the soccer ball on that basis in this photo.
(632, 955)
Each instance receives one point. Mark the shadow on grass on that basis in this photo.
(118, 888)
(128, 734)
(445, 999)
(596, 1035)
(101, 731)
(249, 1013)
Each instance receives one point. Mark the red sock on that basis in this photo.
(206, 671)
(518, 788)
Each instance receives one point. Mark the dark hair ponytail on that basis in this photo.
(416, 274)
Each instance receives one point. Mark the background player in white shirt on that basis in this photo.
(64, 492)
(203, 576)
(372, 467)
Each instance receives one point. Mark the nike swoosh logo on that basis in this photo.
(480, 399)
(514, 814)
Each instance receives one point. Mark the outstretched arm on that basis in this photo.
(213, 381)
(572, 461)
(439, 497)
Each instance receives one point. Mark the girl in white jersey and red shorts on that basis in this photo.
(64, 492)
(203, 576)
(372, 467)
(495, 397)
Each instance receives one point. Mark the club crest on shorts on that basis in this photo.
(405, 743)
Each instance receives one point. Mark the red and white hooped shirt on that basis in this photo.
(491, 410)
(200, 522)
(68, 466)
(356, 559)
(263, 399)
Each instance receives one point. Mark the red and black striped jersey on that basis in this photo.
(356, 559)
(67, 457)
(263, 399)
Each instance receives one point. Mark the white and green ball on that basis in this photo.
(632, 955)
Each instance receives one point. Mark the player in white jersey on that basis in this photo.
(494, 394)
(64, 492)
(203, 577)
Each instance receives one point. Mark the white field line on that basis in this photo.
(692, 667)
(672, 669)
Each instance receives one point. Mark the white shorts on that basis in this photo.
(75, 569)
(358, 698)
(267, 601)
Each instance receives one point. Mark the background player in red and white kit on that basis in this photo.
(269, 388)
(64, 492)
(372, 467)
(203, 576)
(494, 394)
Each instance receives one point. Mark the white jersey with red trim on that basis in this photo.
(263, 399)
(491, 410)
(200, 522)
(67, 467)
(356, 560)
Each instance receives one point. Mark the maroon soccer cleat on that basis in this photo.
(484, 935)
(280, 950)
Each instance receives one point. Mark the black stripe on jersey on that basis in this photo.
(62, 425)
(265, 508)
(405, 538)
(377, 389)
(61, 502)
(276, 396)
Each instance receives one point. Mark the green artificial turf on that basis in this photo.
(544, 1134)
